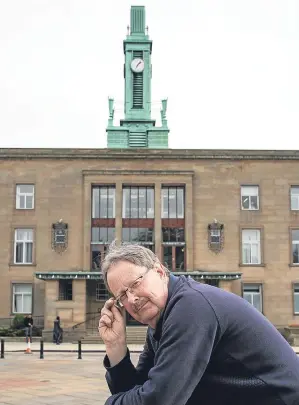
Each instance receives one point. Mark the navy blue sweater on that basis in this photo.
(210, 347)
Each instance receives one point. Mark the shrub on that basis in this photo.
(18, 321)
(287, 334)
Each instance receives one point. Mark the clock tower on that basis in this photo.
(137, 129)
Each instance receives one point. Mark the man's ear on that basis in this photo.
(160, 269)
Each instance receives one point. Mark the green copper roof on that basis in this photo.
(137, 20)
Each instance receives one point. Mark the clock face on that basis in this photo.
(137, 65)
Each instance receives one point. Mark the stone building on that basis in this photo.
(230, 218)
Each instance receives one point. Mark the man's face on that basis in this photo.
(150, 296)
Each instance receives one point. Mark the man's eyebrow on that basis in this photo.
(122, 291)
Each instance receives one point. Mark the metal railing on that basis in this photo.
(91, 321)
(38, 322)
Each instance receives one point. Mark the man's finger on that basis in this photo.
(105, 312)
(118, 313)
(109, 303)
(106, 319)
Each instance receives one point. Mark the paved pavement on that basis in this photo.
(60, 378)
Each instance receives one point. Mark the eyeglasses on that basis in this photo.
(133, 288)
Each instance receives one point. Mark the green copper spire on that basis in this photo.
(137, 129)
(137, 20)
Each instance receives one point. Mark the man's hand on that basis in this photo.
(112, 329)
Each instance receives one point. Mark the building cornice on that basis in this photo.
(148, 154)
(86, 275)
(116, 172)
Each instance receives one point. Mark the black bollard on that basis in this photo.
(41, 352)
(79, 350)
(2, 348)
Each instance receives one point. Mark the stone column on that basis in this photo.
(225, 285)
(189, 225)
(79, 301)
(118, 211)
(158, 221)
(236, 287)
(51, 297)
(86, 222)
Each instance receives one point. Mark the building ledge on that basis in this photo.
(93, 275)
(116, 172)
(147, 153)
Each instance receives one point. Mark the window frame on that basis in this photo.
(293, 187)
(148, 231)
(19, 194)
(13, 284)
(15, 241)
(168, 187)
(59, 284)
(295, 285)
(261, 246)
(250, 208)
(104, 296)
(291, 229)
(100, 187)
(261, 293)
(150, 212)
(106, 229)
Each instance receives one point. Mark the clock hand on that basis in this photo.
(138, 64)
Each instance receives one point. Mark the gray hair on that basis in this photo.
(129, 252)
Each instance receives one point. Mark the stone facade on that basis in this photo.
(212, 181)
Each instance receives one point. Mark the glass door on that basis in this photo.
(174, 257)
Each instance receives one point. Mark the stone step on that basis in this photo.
(135, 335)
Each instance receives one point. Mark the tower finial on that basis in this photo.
(147, 30)
(111, 110)
(128, 30)
(137, 20)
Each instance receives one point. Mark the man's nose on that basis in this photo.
(132, 298)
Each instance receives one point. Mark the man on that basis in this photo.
(203, 346)
(28, 323)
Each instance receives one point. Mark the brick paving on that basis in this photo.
(59, 378)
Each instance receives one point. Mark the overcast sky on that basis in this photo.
(230, 70)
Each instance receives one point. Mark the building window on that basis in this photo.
(65, 290)
(98, 253)
(23, 246)
(215, 236)
(295, 246)
(173, 240)
(100, 239)
(251, 246)
(173, 235)
(138, 235)
(295, 198)
(253, 294)
(22, 298)
(101, 291)
(250, 198)
(25, 196)
(296, 299)
(173, 202)
(103, 202)
(138, 202)
(102, 235)
(174, 257)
